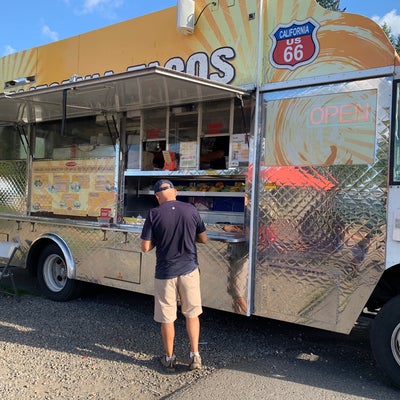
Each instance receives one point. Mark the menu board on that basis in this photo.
(239, 149)
(188, 155)
(78, 187)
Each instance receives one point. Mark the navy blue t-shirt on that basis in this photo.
(173, 227)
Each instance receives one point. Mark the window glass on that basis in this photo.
(154, 124)
(87, 137)
(13, 143)
(242, 118)
(182, 128)
(216, 116)
(133, 143)
(304, 130)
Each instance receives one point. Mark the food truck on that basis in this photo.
(278, 119)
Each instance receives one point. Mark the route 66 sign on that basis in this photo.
(294, 44)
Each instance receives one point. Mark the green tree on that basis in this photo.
(333, 5)
(394, 40)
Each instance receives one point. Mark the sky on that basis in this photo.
(26, 23)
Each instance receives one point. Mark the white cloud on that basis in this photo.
(391, 19)
(9, 50)
(46, 31)
(91, 6)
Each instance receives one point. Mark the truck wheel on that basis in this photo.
(385, 339)
(52, 276)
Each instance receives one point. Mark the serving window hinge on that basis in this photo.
(26, 80)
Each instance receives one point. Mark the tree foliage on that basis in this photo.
(333, 5)
(394, 40)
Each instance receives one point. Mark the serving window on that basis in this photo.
(83, 138)
(195, 136)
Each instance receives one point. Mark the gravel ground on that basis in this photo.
(107, 346)
(83, 350)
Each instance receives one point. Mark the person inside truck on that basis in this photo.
(213, 152)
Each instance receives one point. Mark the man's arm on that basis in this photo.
(202, 237)
(147, 245)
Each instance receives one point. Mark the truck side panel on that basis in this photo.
(322, 228)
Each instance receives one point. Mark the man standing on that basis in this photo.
(173, 228)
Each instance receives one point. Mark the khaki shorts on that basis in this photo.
(168, 291)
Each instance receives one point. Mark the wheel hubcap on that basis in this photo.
(55, 273)
(395, 343)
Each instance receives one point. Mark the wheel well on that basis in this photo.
(35, 250)
(387, 288)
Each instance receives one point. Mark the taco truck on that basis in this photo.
(277, 116)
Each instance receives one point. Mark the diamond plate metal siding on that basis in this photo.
(112, 257)
(321, 252)
(13, 187)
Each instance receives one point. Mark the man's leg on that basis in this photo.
(168, 337)
(165, 309)
(189, 291)
(193, 330)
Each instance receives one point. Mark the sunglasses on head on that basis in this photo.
(162, 188)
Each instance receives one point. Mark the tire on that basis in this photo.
(52, 276)
(385, 339)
